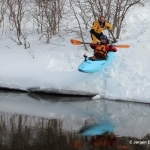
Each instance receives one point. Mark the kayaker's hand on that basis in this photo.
(85, 55)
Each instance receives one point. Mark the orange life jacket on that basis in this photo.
(101, 51)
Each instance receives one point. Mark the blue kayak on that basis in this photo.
(96, 129)
(90, 66)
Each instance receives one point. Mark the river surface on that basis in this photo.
(48, 121)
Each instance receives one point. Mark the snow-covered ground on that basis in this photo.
(54, 66)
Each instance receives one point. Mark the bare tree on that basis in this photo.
(24, 36)
(3, 8)
(39, 15)
(79, 23)
(17, 11)
(15, 17)
(120, 11)
(48, 14)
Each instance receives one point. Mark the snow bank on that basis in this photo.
(53, 67)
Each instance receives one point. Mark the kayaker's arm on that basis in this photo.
(92, 45)
(111, 48)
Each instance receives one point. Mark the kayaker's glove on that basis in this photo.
(85, 55)
(111, 48)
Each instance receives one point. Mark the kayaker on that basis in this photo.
(101, 49)
(97, 28)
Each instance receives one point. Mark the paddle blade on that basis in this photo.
(75, 42)
(122, 46)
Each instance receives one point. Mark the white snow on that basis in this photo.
(54, 66)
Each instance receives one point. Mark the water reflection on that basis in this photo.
(25, 132)
(35, 121)
(101, 134)
(18, 132)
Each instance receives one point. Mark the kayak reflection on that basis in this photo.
(91, 128)
(98, 134)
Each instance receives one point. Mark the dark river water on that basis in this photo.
(40, 121)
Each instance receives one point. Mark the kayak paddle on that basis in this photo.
(77, 42)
